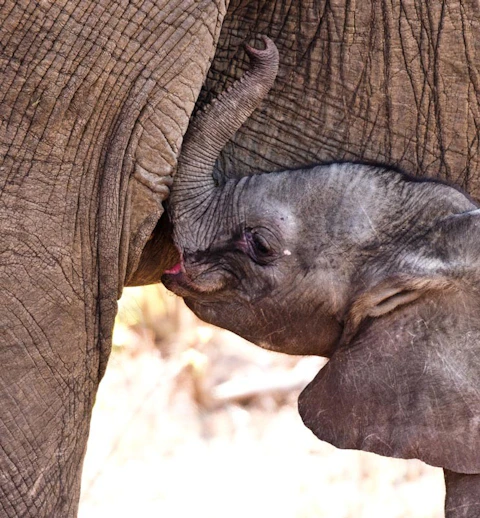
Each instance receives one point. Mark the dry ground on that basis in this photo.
(193, 421)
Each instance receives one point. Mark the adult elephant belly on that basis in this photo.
(394, 84)
(94, 100)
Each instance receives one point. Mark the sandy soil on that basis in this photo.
(173, 436)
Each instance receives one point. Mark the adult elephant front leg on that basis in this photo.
(90, 92)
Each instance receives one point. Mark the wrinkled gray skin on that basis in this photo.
(95, 97)
(372, 268)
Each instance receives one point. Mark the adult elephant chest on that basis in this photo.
(389, 82)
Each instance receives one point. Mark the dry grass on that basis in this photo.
(160, 446)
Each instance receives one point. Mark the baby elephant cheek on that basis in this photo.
(216, 313)
(269, 325)
(312, 336)
(285, 330)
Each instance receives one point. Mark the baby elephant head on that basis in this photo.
(362, 264)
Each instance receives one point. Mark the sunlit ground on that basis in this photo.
(193, 421)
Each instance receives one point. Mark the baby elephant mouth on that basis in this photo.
(176, 280)
(192, 280)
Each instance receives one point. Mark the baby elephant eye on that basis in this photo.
(261, 245)
(259, 248)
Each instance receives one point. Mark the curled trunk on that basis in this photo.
(208, 133)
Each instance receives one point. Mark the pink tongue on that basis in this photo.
(175, 269)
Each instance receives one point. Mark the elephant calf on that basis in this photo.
(363, 264)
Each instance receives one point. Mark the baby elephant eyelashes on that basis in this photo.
(259, 243)
(258, 247)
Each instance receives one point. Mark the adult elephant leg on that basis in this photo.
(463, 495)
(90, 92)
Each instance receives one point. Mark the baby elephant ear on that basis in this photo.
(462, 495)
(405, 381)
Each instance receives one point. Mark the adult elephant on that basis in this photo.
(94, 100)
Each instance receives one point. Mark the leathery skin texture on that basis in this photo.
(94, 100)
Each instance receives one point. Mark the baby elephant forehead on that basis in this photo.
(287, 197)
(279, 218)
(277, 211)
(269, 206)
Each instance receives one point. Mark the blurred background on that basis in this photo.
(191, 420)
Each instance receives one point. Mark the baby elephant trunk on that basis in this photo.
(194, 187)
